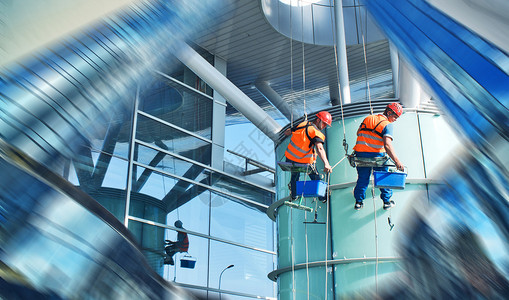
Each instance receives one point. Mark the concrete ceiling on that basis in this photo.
(254, 50)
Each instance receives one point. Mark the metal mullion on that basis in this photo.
(200, 184)
(174, 126)
(206, 236)
(131, 158)
(201, 165)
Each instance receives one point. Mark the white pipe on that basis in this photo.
(410, 89)
(395, 69)
(275, 99)
(341, 52)
(228, 90)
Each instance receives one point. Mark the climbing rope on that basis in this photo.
(307, 250)
(291, 66)
(327, 236)
(345, 145)
(368, 91)
(376, 229)
(293, 254)
(303, 63)
(291, 126)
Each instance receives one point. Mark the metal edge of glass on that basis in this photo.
(132, 145)
(188, 87)
(174, 126)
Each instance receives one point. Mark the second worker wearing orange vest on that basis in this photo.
(306, 142)
(180, 245)
(374, 139)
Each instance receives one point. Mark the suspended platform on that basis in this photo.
(295, 167)
(298, 205)
(373, 162)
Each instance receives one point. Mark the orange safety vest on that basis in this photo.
(369, 135)
(183, 243)
(301, 148)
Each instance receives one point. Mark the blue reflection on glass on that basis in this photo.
(447, 244)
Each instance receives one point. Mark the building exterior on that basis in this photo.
(113, 140)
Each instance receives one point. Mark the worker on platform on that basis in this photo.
(180, 245)
(374, 139)
(306, 142)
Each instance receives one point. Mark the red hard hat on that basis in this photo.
(325, 117)
(396, 108)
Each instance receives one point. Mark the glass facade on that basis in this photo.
(156, 164)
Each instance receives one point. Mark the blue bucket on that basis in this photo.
(390, 180)
(311, 188)
(187, 262)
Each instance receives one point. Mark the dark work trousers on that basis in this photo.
(313, 175)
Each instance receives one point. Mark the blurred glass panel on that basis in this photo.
(249, 274)
(52, 244)
(117, 134)
(178, 105)
(103, 177)
(241, 222)
(171, 139)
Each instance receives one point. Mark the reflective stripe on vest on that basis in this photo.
(300, 149)
(184, 244)
(369, 137)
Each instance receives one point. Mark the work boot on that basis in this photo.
(388, 205)
(358, 205)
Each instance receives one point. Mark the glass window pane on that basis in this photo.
(178, 105)
(104, 178)
(235, 220)
(171, 139)
(236, 187)
(117, 136)
(249, 274)
(171, 164)
(198, 254)
(164, 199)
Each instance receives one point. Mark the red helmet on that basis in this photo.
(396, 108)
(325, 117)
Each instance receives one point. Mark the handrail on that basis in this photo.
(261, 167)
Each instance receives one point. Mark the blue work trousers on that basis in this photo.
(359, 191)
(296, 176)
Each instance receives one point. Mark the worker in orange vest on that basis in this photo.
(306, 142)
(374, 139)
(180, 245)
